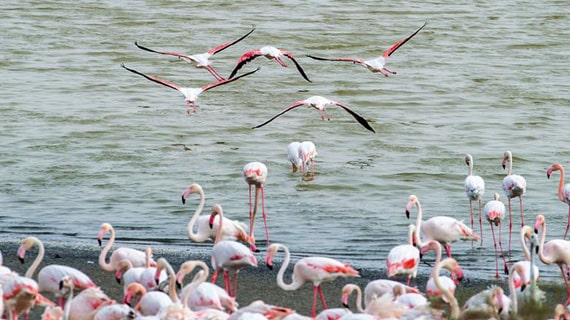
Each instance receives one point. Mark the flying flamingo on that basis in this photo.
(319, 103)
(444, 229)
(228, 255)
(293, 155)
(375, 65)
(232, 229)
(563, 190)
(557, 251)
(307, 152)
(495, 212)
(270, 53)
(202, 60)
(431, 289)
(513, 186)
(374, 289)
(255, 174)
(310, 269)
(190, 94)
(405, 258)
(474, 189)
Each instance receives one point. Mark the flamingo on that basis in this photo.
(150, 302)
(405, 258)
(136, 257)
(453, 267)
(486, 304)
(270, 53)
(232, 229)
(563, 190)
(374, 289)
(255, 174)
(409, 300)
(115, 312)
(228, 255)
(85, 305)
(530, 274)
(319, 103)
(444, 229)
(513, 186)
(143, 275)
(202, 60)
(376, 65)
(310, 269)
(495, 212)
(519, 269)
(261, 310)
(474, 189)
(431, 289)
(20, 295)
(293, 155)
(554, 251)
(190, 94)
(307, 152)
(50, 276)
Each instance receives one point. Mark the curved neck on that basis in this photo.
(512, 292)
(102, 257)
(294, 285)
(453, 304)
(217, 210)
(189, 288)
(38, 260)
(541, 256)
(524, 247)
(359, 305)
(561, 185)
(163, 264)
(510, 164)
(197, 237)
(419, 222)
(470, 167)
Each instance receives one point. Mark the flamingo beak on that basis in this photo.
(183, 200)
(407, 214)
(21, 260)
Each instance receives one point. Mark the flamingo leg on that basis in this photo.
(314, 310)
(214, 73)
(322, 295)
(448, 250)
(522, 212)
(565, 282)
(567, 225)
(506, 267)
(250, 214)
(264, 215)
(214, 276)
(388, 70)
(510, 225)
(480, 222)
(496, 255)
(227, 282)
(235, 284)
(313, 175)
(409, 279)
(471, 215)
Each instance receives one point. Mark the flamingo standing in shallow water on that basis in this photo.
(319, 103)
(563, 190)
(255, 174)
(375, 65)
(405, 258)
(293, 155)
(495, 212)
(474, 189)
(513, 186)
(310, 269)
(307, 152)
(201, 60)
(190, 94)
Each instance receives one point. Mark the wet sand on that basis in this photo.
(254, 283)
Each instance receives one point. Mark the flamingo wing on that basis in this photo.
(154, 79)
(355, 115)
(400, 43)
(224, 81)
(292, 58)
(245, 58)
(224, 46)
(354, 60)
(291, 107)
(170, 53)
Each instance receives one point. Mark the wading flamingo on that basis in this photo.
(374, 289)
(431, 289)
(228, 255)
(320, 104)
(405, 258)
(563, 190)
(255, 174)
(495, 212)
(307, 152)
(474, 189)
(202, 60)
(444, 229)
(311, 269)
(293, 155)
(270, 53)
(376, 65)
(513, 186)
(190, 94)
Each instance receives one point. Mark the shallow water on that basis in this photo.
(84, 141)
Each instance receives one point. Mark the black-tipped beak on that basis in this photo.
(523, 286)
(346, 305)
(211, 225)
(536, 250)
(178, 285)
(99, 241)
(407, 214)
(183, 200)
(270, 266)
(21, 260)
(128, 303)
(60, 285)
(547, 176)
(500, 310)
(504, 166)
(506, 270)
(536, 230)
(460, 278)
(118, 280)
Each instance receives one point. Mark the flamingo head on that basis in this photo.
(346, 292)
(412, 200)
(25, 245)
(497, 296)
(105, 227)
(216, 210)
(553, 168)
(540, 221)
(242, 236)
(271, 251)
(468, 160)
(506, 158)
(193, 188)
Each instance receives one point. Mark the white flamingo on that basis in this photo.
(474, 189)
(255, 175)
(495, 212)
(513, 186)
(404, 258)
(563, 190)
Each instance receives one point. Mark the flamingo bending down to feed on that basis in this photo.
(513, 186)
(563, 190)
(270, 53)
(307, 153)
(487, 304)
(293, 155)
(474, 189)
(319, 103)
(310, 269)
(228, 255)
(376, 65)
(202, 60)
(190, 94)
(255, 174)
(495, 212)
(232, 229)
(405, 258)
(444, 229)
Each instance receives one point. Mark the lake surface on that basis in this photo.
(83, 141)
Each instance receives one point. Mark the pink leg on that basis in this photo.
(214, 73)
(480, 222)
(408, 281)
(214, 276)
(227, 283)
(250, 214)
(522, 212)
(471, 215)
(264, 215)
(506, 267)
(448, 250)
(390, 71)
(323, 302)
(313, 170)
(496, 255)
(314, 310)
(567, 225)
(510, 225)
(235, 284)
(565, 282)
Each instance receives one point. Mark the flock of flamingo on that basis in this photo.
(151, 288)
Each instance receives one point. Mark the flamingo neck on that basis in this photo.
(171, 280)
(197, 237)
(561, 185)
(512, 290)
(419, 222)
(527, 254)
(294, 285)
(510, 161)
(102, 257)
(470, 168)
(541, 256)
(219, 212)
(453, 304)
(38, 260)
(359, 305)
(189, 288)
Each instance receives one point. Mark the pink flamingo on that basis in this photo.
(150, 302)
(255, 174)
(474, 189)
(270, 53)
(310, 269)
(202, 60)
(374, 289)
(376, 65)
(444, 229)
(85, 305)
(319, 103)
(431, 289)
(486, 304)
(293, 155)
(527, 233)
(190, 94)
(513, 186)
(228, 255)
(143, 275)
(115, 312)
(495, 212)
(405, 258)
(307, 153)
(20, 295)
(563, 190)
(554, 251)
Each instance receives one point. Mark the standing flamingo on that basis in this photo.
(255, 174)
(532, 275)
(310, 269)
(202, 60)
(444, 229)
(486, 304)
(405, 258)
(431, 289)
(563, 190)
(228, 255)
(307, 153)
(85, 305)
(474, 189)
(374, 289)
(270, 53)
(376, 65)
(190, 94)
(513, 186)
(20, 295)
(293, 155)
(495, 213)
